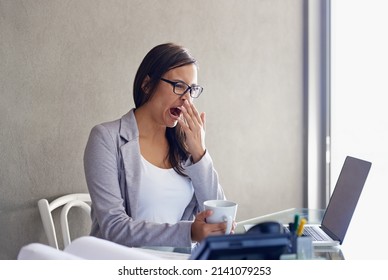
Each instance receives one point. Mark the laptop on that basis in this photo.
(342, 204)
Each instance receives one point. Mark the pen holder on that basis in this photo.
(304, 248)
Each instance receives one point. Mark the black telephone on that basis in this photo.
(264, 241)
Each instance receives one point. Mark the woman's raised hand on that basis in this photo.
(193, 125)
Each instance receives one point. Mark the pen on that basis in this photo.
(301, 227)
(291, 228)
(296, 221)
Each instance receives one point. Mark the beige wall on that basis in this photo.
(68, 65)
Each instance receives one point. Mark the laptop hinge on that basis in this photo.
(332, 235)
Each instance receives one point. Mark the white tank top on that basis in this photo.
(163, 195)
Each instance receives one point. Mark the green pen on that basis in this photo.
(296, 221)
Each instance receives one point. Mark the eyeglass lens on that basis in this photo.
(181, 88)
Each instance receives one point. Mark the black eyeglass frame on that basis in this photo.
(189, 88)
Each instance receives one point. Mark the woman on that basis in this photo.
(149, 172)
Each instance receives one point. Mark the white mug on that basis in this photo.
(223, 211)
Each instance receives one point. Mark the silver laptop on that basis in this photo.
(342, 204)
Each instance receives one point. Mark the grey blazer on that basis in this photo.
(112, 170)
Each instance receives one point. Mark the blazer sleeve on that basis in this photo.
(205, 180)
(109, 217)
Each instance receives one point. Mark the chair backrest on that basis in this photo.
(80, 200)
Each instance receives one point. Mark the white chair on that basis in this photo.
(80, 200)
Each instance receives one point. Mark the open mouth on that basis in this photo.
(176, 112)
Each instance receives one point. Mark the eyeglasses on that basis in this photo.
(180, 88)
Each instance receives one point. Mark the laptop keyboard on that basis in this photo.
(309, 231)
(312, 232)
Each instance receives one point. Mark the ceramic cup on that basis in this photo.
(223, 211)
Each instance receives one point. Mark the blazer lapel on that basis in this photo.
(130, 153)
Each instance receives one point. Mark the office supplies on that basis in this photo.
(342, 204)
(242, 247)
(291, 227)
(300, 229)
(296, 221)
(304, 248)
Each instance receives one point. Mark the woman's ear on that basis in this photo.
(145, 84)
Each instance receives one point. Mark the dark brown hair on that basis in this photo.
(158, 61)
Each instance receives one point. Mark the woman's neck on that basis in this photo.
(148, 128)
(152, 139)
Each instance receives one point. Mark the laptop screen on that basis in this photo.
(344, 199)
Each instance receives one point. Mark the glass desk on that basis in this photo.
(283, 217)
(170, 253)
(287, 216)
